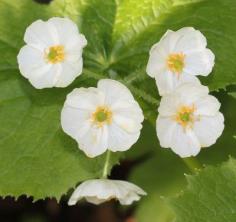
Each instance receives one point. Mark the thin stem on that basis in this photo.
(106, 165)
(192, 163)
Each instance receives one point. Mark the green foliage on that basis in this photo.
(210, 195)
(36, 157)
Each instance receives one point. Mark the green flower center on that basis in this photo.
(101, 116)
(175, 62)
(185, 117)
(55, 54)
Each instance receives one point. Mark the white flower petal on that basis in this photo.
(128, 109)
(119, 139)
(165, 82)
(189, 93)
(100, 190)
(94, 142)
(45, 76)
(165, 127)
(156, 62)
(169, 104)
(129, 125)
(69, 72)
(75, 123)
(126, 125)
(30, 59)
(168, 81)
(209, 129)
(184, 142)
(76, 120)
(40, 35)
(159, 54)
(200, 63)
(68, 33)
(208, 106)
(33, 66)
(168, 41)
(85, 99)
(190, 40)
(114, 91)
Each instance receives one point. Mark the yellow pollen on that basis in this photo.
(175, 62)
(185, 116)
(101, 116)
(55, 54)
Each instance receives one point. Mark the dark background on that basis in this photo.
(24, 210)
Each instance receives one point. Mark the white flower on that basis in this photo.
(178, 57)
(52, 56)
(98, 191)
(189, 119)
(106, 117)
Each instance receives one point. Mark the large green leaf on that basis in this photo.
(210, 195)
(36, 157)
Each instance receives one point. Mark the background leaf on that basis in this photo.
(210, 195)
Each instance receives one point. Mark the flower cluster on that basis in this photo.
(107, 118)
(189, 118)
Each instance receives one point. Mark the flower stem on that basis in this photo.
(106, 165)
(192, 163)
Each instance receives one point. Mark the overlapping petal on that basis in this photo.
(98, 191)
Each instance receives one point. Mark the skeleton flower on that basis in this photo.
(52, 56)
(178, 57)
(189, 119)
(102, 118)
(97, 191)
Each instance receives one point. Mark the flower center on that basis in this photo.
(55, 54)
(185, 116)
(175, 62)
(101, 116)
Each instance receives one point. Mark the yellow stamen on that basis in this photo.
(55, 54)
(101, 116)
(185, 116)
(175, 62)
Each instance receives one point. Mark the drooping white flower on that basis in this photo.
(102, 118)
(52, 56)
(178, 57)
(189, 119)
(98, 191)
